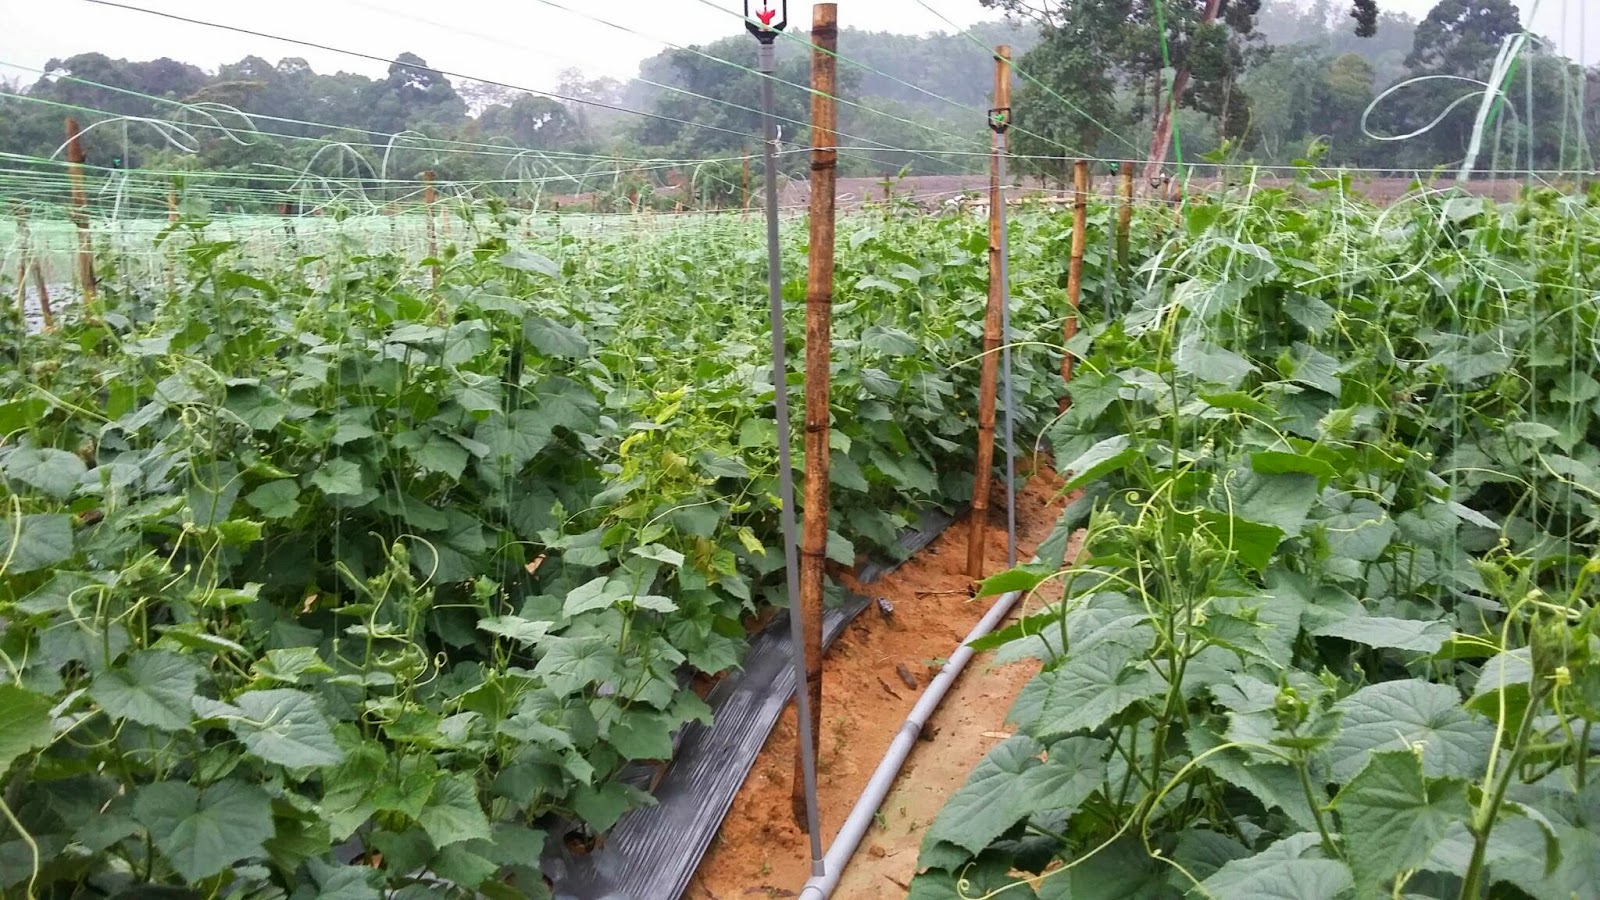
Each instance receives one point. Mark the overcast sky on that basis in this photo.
(520, 42)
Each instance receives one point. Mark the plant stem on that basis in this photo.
(1316, 808)
(1482, 824)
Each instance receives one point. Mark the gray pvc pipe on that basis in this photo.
(821, 886)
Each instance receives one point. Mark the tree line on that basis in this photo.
(1270, 82)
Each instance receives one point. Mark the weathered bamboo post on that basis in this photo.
(1080, 223)
(22, 260)
(428, 198)
(983, 476)
(172, 219)
(30, 262)
(80, 217)
(1124, 218)
(819, 353)
(745, 181)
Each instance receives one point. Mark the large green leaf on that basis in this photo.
(571, 664)
(1397, 715)
(552, 338)
(339, 477)
(154, 688)
(31, 543)
(50, 471)
(24, 723)
(200, 833)
(1259, 878)
(285, 727)
(1086, 690)
(1102, 459)
(1398, 634)
(1011, 783)
(452, 813)
(1392, 816)
(1281, 501)
(516, 439)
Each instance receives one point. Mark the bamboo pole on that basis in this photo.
(1080, 228)
(44, 295)
(819, 315)
(983, 476)
(1124, 218)
(745, 182)
(172, 219)
(428, 199)
(30, 263)
(22, 261)
(80, 217)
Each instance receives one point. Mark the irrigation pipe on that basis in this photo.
(820, 887)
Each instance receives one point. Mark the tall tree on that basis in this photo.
(1462, 37)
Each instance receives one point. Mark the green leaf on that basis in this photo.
(1273, 462)
(1086, 690)
(1252, 542)
(1102, 459)
(515, 439)
(521, 630)
(602, 806)
(642, 736)
(1392, 816)
(200, 833)
(452, 813)
(154, 688)
(1022, 578)
(994, 798)
(572, 664)
(1275, 784)
(1398, 634)
(1281, 501)
(1277, 879)
(552, 338)
(285, 727)
(339, 477)
(660, 554)
(289, 663)
(50, 471)
(1397, 715)
(596, 593)
(889, 341)
(567, 404)
(276, 499)
(441, 455)
(31, 543)
(24, 724)
(525, 260)
(1211, 363)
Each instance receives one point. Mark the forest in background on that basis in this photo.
(1290, 81)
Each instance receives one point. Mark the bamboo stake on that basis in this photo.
(746, 181)
(80, 217)
(44, 295)
(172, 219)
(1080, 223)
(1124, 219)
(819, 315)
(978, 518)
(22, 261)
(428, 198)
(30, 262)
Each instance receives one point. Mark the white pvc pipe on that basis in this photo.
(821, 887)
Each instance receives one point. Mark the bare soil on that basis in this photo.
(760, 852)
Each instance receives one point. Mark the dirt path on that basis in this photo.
(760, 852)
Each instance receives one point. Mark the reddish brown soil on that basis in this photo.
(760, 852)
